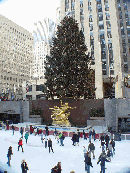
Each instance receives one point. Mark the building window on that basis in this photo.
(125, 58)
(111, 72)
(100, 17)
(104, 72)
(125, 68)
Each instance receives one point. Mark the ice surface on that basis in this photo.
(71, 157)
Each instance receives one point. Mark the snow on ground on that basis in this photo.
(71, 157)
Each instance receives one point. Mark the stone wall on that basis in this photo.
(110, 108)
(96, 123)
(10, 105)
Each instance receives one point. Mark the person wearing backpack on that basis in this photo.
(91, 147)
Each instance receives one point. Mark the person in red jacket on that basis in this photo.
(20, 144)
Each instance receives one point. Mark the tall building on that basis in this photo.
(40, 51)
(57, 15)
(106, 27)
(44, 31)
(16, 55)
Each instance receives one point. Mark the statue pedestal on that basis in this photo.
(61, 123)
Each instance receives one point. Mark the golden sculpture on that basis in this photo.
(60, 114)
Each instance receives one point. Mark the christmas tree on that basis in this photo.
(67, 71)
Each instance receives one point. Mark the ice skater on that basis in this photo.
(108, 154)
(91, 147)
(90, 134)
(26, 137)
(103, 159)
(46, 130)
(113, 146)
(77, 138)
(24, 166)
(61, 139)
(84, 151)
(50, 145)
(9, 155)
(84, 135)
(74, 138)
(20, 144)
(42, 136)
(21, 131)
(107, 139)
(55, 133)
(45, 141)
(110, 148)
(88, 162)
(57, 137)
(93, 134)
(102, 144)
(13, 128)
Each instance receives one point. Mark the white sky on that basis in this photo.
(26, 12)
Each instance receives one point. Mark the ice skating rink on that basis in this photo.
(71, 157)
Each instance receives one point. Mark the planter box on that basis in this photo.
(97, 118)
(34, 116)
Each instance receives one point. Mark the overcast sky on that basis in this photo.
(26, 12)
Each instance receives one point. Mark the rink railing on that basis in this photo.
(69, 133)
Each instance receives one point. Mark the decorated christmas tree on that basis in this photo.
(67, 71)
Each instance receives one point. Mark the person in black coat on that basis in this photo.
(50, 145)
(113, 145)
(74, 138)
(61, 139)
(88, 162)
(93, 134)
(107, 140)
(55, 133)
(102, 138)
(24, 166)
(21, 131)
(9, 155)
(13, 129)
(84, 135)
(77, 138)
(46, 130)
(103, 159)
(91, 147)
(103, 145)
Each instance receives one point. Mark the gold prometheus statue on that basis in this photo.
(60, 114)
